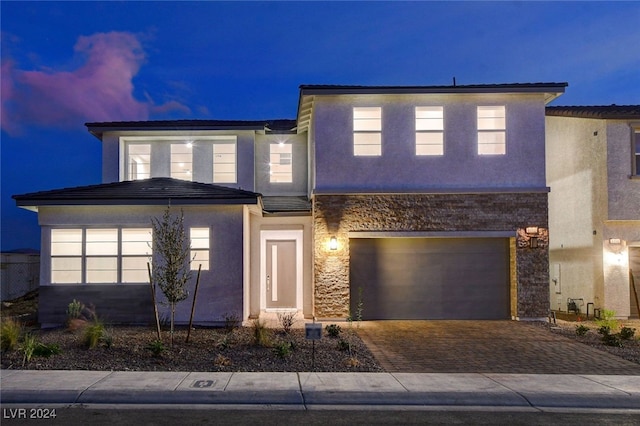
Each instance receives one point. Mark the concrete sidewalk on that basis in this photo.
(307, 389)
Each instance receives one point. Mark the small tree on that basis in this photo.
(171, 270)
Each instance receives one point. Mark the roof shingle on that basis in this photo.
(614, 112)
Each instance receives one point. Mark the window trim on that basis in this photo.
(235, 160)
(635, 152)
(194, 251)
(289, 172)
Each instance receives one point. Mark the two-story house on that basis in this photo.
(593, 169)
(383, 202)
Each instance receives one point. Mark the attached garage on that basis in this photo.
(430, 278)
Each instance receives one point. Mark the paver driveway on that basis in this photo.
(483, 347)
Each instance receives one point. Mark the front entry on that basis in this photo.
(281, 274)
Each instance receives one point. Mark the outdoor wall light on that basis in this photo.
(531, 230)
(333, 243)
(615, 241)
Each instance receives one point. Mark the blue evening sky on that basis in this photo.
(67, 63)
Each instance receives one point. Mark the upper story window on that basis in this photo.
(429, 130)
(636, 147)
(100, 255)
(138, 161)
(224, 162)
(280, 162)
(182, 160)
(491, 130)
(367, 131)
(199, 248)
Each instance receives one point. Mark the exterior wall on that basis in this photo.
(337, 215)
(221, 287)
(399, 169)
(300, 165)
(624, 191)
(19, 274)
(259, 223)
(593, 198)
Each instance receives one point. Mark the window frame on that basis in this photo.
(129, 174)
(215, 144)
(429, 126)
(635, 152)
(198, 252)
(95, 254)
(485, 130)
(187, 174)
(367, 124)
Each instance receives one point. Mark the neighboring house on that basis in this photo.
(19, 273)
(390, 202)
(593, 169)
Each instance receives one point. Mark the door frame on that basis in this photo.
(284, 235)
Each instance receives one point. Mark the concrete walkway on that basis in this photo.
(308, 389)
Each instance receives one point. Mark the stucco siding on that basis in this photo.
(221, 287)
(399, 168)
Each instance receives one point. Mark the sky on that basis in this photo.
(68, 63)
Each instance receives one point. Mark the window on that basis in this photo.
(367, 131)
(136, 252)
(280, 162)
(139, 161)
(66, 256)
(636, 145)
(429, 130)
(181, 160)
(224, 162)
(491, 130)
(199, 248)
(100, 255)
(101, 247)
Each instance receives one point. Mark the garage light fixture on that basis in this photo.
(333, 243)
(615, 241)
(532, 230)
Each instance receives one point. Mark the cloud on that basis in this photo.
(100, 89)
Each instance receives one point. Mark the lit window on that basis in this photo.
(66, 256)
(224, 162)
(636, 144)
(367, 131)
(181, 161)
(101, 248)
(199, 248)
(98, 255)
(429, 130)
(136, 252)
(139, 161)
(280, 162)
(491, 130)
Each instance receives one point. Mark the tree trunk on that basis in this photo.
(173, 314)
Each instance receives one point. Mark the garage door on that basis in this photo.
(430, 278)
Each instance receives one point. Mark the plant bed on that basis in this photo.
(209, 349)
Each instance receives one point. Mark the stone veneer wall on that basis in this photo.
(337, 215)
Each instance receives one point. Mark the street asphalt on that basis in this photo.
(308, 390)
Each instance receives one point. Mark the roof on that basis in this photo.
(154, 191)
(613, 112)
(271, 126)
(309, 91)
(274, 205)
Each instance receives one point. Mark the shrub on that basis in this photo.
(260, 333)
(627, 333)
(28, 347)
(74, 310)
(231, 321)
(283, 349)
(10, 331)
(333, 330)
(343, 345)
(581, 330)
(156, 347)
(46, 351)
(286, 320)
(95, 333)
(607, 319)
(221, 360)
